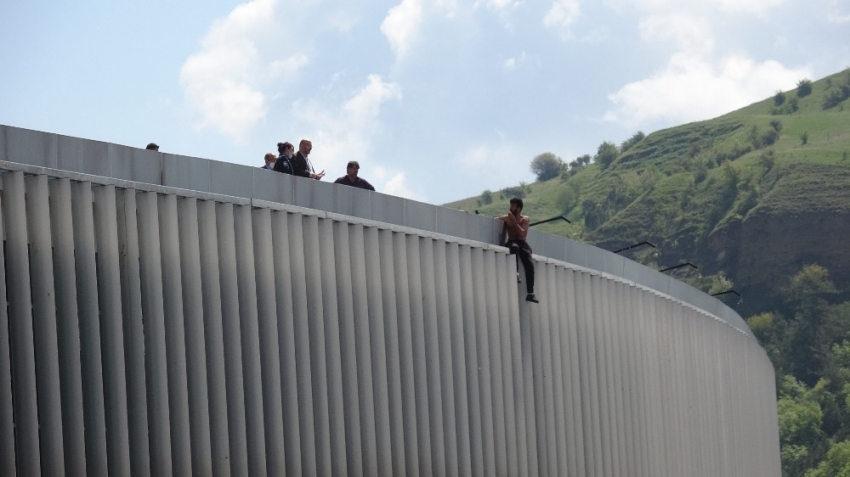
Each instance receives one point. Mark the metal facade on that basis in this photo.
(157, 331)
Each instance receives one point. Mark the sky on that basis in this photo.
(437, 99)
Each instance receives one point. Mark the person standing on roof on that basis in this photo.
(269, 159)
(299, 161)
(351, 179)
(283, 164)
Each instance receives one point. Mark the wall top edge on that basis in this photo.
(77, 159)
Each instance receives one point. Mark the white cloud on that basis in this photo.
(449, 7)
(490, 154)
(398, 186)
(365, 106)
(691, 88)
(561, 15)
(511, 63)
(597, 35)
(743, 6)
(401, 26)
(686, 32)
(835, 14)
(215, 85)
(342, 20)
(287, 66)
(344, 131)
(493, 164)
(498, 4)
(224, 81)
(726, 6)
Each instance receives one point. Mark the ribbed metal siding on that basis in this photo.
(157, 334)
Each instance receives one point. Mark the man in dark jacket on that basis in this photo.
(351, 179)
(299, 161)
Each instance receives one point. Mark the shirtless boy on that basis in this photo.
(517, 228)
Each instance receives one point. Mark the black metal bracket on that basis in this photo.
(727, 292)
(635, 246)
(560, 217)
(686, 264)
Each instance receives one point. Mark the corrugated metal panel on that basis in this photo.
(153, 333)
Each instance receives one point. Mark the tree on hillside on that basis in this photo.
(836, 464)
(547, 166)
(606, 154)
(810, 331)
(811, 287)
(803, 443)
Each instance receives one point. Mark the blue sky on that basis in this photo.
(437, 99)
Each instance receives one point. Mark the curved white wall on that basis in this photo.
(151, 330)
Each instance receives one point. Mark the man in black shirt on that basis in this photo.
(351, 179)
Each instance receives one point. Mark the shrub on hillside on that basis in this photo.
(594, 214)
(804, 88)
(767, 160)
(519, 191)
(762, 139)
(778, 98)
(567, 198)
(628, 143)
(487, 197)
(511, 192)
(737, 151)
(788, 107)
(700, 174)
(769, 137)
(836, 96)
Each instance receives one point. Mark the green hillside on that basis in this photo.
(709, 192)
(759, 199)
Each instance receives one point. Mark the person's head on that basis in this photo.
(352, 169)
(270, 158)
(516, 205)
(286, 149)
(152, 147)
(305, 146)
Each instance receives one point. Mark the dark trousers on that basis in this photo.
(521, 249)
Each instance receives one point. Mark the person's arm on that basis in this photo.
(514, 228)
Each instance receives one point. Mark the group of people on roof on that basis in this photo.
(298, 164)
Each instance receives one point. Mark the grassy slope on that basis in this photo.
(693, 189)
